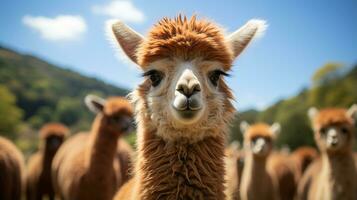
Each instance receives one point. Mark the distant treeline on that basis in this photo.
(33, 92)
(332, 86)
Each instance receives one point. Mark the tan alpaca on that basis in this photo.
(182, 107)
(301, 158)
(38, 178)
(87, 166)
(11, 171)
(333, 176)
(257, 182)
(281, 167)
(234, 162)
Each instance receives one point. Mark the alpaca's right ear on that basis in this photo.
(312, 112)
(244, 126)
(94, 103)
(128, 39)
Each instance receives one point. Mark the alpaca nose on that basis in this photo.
(188, 84)
(188, 90)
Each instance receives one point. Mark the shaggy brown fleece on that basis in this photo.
(186, 39)
(180, 170)
(11, 171)
(38, 178)
(88, 166)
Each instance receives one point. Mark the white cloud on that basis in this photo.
(120, 9)
(60, 28)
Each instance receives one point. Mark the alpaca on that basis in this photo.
(87, 166)
(234, 162)
(11, 171)
(302, 157)
(182, 107)
(38, 179)
(334, 175)
(281, 167)
(257, 182)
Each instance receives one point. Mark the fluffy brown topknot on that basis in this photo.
(187, 39)
(332, 116)
(50, 129)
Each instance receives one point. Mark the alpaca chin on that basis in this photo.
(187, 117)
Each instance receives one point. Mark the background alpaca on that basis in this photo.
(257, 182)
(183, 106)
(88, 166)
(234, 162)
(282, 168)
(38, 178)
(11, 171)
(302, 157)
(334, 175)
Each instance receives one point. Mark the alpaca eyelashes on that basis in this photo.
(155, 77)
(215, 75)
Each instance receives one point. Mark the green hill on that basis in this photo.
(39, 92)
(332, 87)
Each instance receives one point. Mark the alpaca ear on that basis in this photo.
(312, 112)
(275, 129)
(352, 111)
(94, 103)
(240, 39)
(128, 39)
(244, 126)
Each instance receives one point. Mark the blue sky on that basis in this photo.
(302, 36)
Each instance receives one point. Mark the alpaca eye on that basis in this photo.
(344, 130)
(323, 131)
(215, 75)
(154, 76)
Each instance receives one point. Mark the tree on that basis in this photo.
(10, 115)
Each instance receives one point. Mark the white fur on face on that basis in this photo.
(333, 137)
(160, 100)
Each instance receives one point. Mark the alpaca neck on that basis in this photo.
(102, 149)
(180, 169)
(338, 176)
(256, 182)
(254, 169)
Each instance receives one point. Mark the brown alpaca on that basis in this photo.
(257, 182)
(88, 166)
(302, 157)
(38, 178)
(11, 171)
(281, 167)
(182, 107)
(333, 176)
(234, 162)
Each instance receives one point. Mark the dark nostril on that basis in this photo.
(188, 92)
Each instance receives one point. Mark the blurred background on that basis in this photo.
(53, 53)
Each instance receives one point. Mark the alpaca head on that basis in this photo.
(53, 135)
(184, 94)
(258, 138)
(115, 113)
(333, 128)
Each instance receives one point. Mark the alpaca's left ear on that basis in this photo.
(275, 129)
(240, 39)
(128, 39)
(352, 111)
(94, 103)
